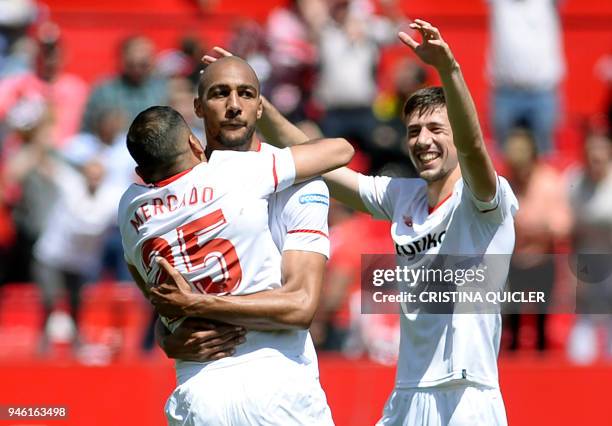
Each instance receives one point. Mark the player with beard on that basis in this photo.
(447, 367)
(298, 224)
(220, 253)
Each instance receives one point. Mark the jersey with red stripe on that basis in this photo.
(298, 215)
(211, 224)
(438, 348)
(298, 221)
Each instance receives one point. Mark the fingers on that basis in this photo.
(165, 265)
(198, 324)
(407, 40)
(209, 59)
(221, 51)
(215, 337)
(428, 31)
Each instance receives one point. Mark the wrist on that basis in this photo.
(196, 305)
(448, 69)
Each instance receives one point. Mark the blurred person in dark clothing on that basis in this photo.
(543, 219)
(391, 157)
(134, 89)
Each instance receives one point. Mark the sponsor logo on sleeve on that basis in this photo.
(314, 198)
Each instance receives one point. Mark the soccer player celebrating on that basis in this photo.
(209, 220)
(447, 367)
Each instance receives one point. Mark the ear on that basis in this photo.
(260, 108)
(196, 147)
(197, 106)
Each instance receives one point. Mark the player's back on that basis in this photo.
(211, 224)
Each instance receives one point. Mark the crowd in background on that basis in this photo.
(64, 165)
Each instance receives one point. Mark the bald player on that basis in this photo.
(298, 224)
(205, 232)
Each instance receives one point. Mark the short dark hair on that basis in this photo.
(156, 138)
(424, 101)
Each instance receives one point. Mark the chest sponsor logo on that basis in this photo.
(420, 245)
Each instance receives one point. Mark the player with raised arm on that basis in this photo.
(298, 224)
(447, 367)
(209, 220)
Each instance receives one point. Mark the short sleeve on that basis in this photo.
(274, 171)
(378, 195)
(305, 217)
(503, 205)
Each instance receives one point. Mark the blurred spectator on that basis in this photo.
(70, 246)
(542, 220)
(134, 89)
(27, 162)
(16, 48)
(106, 144)
(64, 93)
(351, 234)
(390, 135)
(349, 42)
(184, 62)
(249, 42)
(527, 65)
(180, 97)
(293, 55)
(591, 202)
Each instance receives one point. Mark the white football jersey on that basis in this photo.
(211, 224)
(298, 221)
(438, 348)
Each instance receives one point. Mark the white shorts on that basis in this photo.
(455, 405)
(267, 391)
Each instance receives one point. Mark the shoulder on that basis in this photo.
(133, 192)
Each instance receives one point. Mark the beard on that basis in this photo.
(236, 141)
(433, 176)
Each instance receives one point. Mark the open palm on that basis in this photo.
(433, 50)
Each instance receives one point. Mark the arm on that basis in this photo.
(319, 156)
(343, 182)
(474, 161)
(291, 306)
(199, 340)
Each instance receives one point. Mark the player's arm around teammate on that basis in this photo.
(298, 222)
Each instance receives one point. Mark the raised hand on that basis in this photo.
(174, 297)
(208, 59)
(433, 50)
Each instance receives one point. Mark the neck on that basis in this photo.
(176, 169)
(442, 188)
(251, 145)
